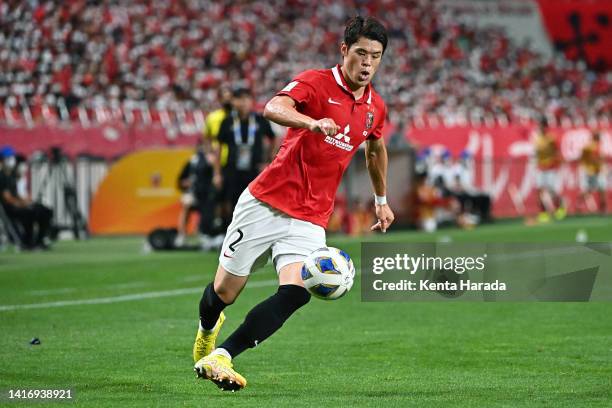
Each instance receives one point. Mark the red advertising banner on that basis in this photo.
(503, 163)
(504, 166)
(107, 141)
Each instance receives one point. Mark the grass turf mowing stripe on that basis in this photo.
(184, 291)
(122, 298)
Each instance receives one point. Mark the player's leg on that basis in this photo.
(216, 297)
(589, 190)
(260, 323)
(217, 365)
(253, 230)
(601, 189)
(288, 253)
(235, 264)
(269, 316)
(219, 294)
(581, 204)
(543, 198)
(559, 204)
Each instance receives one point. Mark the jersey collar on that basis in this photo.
(342, 83)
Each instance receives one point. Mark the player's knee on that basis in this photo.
(295, 295)
(228, 286)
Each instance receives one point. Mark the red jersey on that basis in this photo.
(303, 178)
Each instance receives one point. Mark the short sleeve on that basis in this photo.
(377, 133)
(300, 89)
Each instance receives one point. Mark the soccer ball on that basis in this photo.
(328, 273)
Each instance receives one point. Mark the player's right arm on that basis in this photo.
(281, 109)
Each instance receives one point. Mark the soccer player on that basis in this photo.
(286, 208)
(548, 158)
(593, 174)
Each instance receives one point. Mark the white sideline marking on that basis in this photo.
(123, 298)
(43, 292)
(127, 285)
(193, 278)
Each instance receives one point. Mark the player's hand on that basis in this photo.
(326, 126)
(385, 218)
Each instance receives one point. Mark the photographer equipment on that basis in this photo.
(54, 168)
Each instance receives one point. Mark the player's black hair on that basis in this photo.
(367, 27)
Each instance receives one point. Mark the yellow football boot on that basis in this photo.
(561, 213)
(218, 369)
(543, 217)
(205, 342)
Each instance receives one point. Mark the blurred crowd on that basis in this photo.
(178, 53)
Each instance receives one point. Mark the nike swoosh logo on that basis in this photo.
(330, 100)
(226, 255)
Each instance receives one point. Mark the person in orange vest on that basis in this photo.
(548, 158)
(593, 178)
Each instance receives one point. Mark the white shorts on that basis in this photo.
(547, 179)
(258, 231)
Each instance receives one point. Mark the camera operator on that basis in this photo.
(22, 210)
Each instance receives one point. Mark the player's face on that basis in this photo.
(361, 61)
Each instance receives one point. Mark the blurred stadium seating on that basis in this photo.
(161, 61)
(105, 79)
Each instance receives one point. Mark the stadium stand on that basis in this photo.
(162, 62)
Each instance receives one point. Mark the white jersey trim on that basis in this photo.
(337, 77)
(336, 74)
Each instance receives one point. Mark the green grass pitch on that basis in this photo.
(137, 351)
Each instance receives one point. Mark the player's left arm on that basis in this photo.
(376, 162)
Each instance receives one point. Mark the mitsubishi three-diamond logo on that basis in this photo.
(344, 134)
(341, 140)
